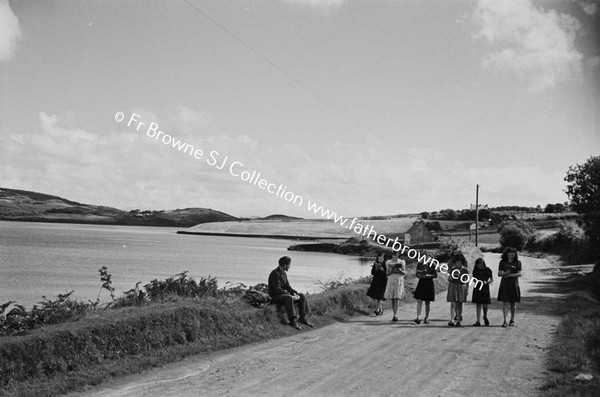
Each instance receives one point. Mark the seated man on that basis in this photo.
(282, 293)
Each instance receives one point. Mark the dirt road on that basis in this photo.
(372, 356)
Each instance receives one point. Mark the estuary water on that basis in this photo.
(46, 259)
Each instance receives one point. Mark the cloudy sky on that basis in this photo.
(368, 107)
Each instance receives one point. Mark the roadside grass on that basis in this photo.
(60, 358)
(107, 344)
(576, 346)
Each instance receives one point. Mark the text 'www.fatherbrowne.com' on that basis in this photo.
(236, 169)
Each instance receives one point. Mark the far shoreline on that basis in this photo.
(83, 222)
(273, 236)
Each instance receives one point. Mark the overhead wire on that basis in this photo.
(274, 65)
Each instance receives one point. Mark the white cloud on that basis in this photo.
(535, 44)
(593, 63)
(590, 7)
(125, 168)
(324, 6)
(193, 120)
(10, 31)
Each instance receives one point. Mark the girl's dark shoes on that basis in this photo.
(417, 321)
(486, 321)
(504, 324)
(395, 319)
(306, 322)
(512, 323)
(426, 321)
(477, 324)
(451, 324)
(294, 325)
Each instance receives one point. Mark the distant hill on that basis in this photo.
(279, 217)
(274, 228)
(26, 206)
(309, 229)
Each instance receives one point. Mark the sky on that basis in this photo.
(366, 107)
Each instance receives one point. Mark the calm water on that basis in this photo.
(38, 259)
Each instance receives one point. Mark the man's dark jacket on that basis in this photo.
(278, 283)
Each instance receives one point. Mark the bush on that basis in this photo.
(569, 234)
(516, 234)
(447, 245)
(570, 242)
(19, 321)
(60, 310)
(433, 226)
(181, 285)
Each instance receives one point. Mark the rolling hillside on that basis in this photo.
(22, 205)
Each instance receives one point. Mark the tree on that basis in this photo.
(471, 215)
(466, 215)
(433, 226)
(448, 214)
(555, 208)
(583, 190)
(516, 234)
(425, 215)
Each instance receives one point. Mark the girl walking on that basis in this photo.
(425, 291)
(482, 296)
(457, 288)
(509, 292)
(394, 290)
(378, 283)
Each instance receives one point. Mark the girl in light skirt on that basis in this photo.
(394, 290)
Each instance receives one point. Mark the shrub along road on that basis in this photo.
(372, 356)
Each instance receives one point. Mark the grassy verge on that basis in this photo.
(61, 358)
(576, 346)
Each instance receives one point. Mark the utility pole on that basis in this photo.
(476, 214)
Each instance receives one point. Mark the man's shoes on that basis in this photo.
(294, 325)
(306, 322)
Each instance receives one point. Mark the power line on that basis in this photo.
(280, 69)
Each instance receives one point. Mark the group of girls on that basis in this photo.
(388, 284)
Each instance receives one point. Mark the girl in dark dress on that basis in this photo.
(379, 282)
(425, 291)
(482, 296)
(509, 292)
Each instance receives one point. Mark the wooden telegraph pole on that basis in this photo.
(476, 214)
